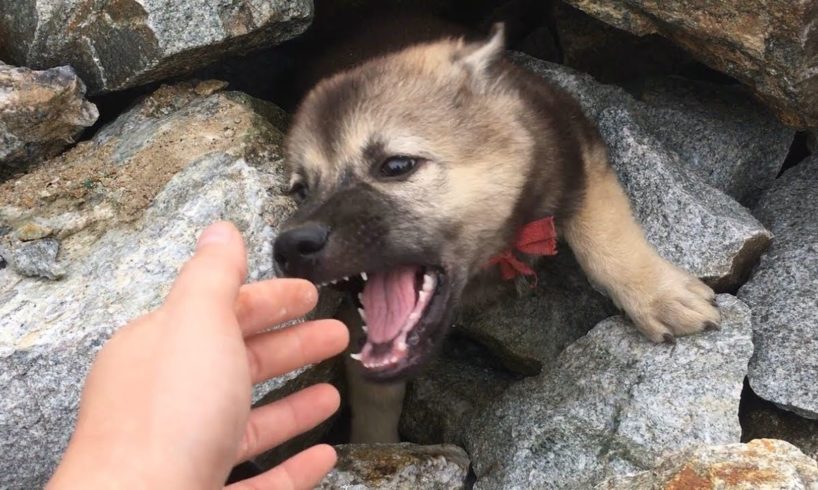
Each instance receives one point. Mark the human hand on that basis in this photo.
(167, 401)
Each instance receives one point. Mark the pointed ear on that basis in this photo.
(482, 55)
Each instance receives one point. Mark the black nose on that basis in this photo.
(296, 248)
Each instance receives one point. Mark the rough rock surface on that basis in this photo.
(763, 464)
(115, 45)
(442, 400)
(727, 138)
(398, 466)
(162, 172)
(528, 332)
(766, 44)
(614, 404)
(41, 112)
(783, 294)
(671, 201)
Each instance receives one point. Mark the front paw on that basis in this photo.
(666, 302)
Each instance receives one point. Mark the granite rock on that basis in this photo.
(398, 466)
(41, 112)
(731, 141)
(763, 464)
(614, 404)
(769, 45)
(175, 163)
(116, 45)
(783, 294)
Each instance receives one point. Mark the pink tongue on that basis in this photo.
(388, 299)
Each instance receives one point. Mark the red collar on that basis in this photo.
(538, 237)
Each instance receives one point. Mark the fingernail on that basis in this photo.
(215, 234)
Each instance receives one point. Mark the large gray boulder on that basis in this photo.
(722, 134)
(783, 294)
(692, 224)
(116, 45)
(614, 404)
(398, 467)
(126, 209)
(41, 112)
(768, 45)
(763, 464)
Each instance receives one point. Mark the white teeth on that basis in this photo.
(422, 296)
(346, 278)
(357, 356)
(365, 328)
(364, 276)
(361, 298)
(361, 312)
(427, 282)
(414, 316)
(401, 347)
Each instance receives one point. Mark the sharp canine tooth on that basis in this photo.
(361, 298)
(346, 278)
(364, 276)
(361, 312)
(364, 328)
(427, 282)
(357, 356)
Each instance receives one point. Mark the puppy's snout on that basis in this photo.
(295, 249)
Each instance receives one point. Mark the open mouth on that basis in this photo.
(403, 310)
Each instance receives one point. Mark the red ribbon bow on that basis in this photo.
(536, 238)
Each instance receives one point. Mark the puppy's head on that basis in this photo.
(405, 170)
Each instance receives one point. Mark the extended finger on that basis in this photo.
(304, 470)
(280, 351)
(277, 422)
(212, 278)
(266, 303)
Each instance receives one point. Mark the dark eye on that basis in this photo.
(400, 165)
(298, 190)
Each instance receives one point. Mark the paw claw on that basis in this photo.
(669, 339)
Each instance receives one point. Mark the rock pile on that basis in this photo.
(547, 389)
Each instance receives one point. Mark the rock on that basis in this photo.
(35, 258)
(783, 294)
(528, 332)
(398, 466)
(671, 201)
(764, 464)
(728, 139)
(160, 174)
(453, 388)
(609, 54)
(761, 419)
(765, 46)
(41, 112)
(116, 45)
(614, 404)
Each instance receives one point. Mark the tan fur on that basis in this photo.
(660, 298)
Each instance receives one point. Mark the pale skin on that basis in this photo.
(167, 403)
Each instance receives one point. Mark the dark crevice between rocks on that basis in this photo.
(798, 152)
(761, 419)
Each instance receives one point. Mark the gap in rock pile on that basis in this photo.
(799, 151)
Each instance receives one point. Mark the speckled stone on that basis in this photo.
(116, 45)
(614, 404)
(783, 294)
(763, 464)
(41, 113)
